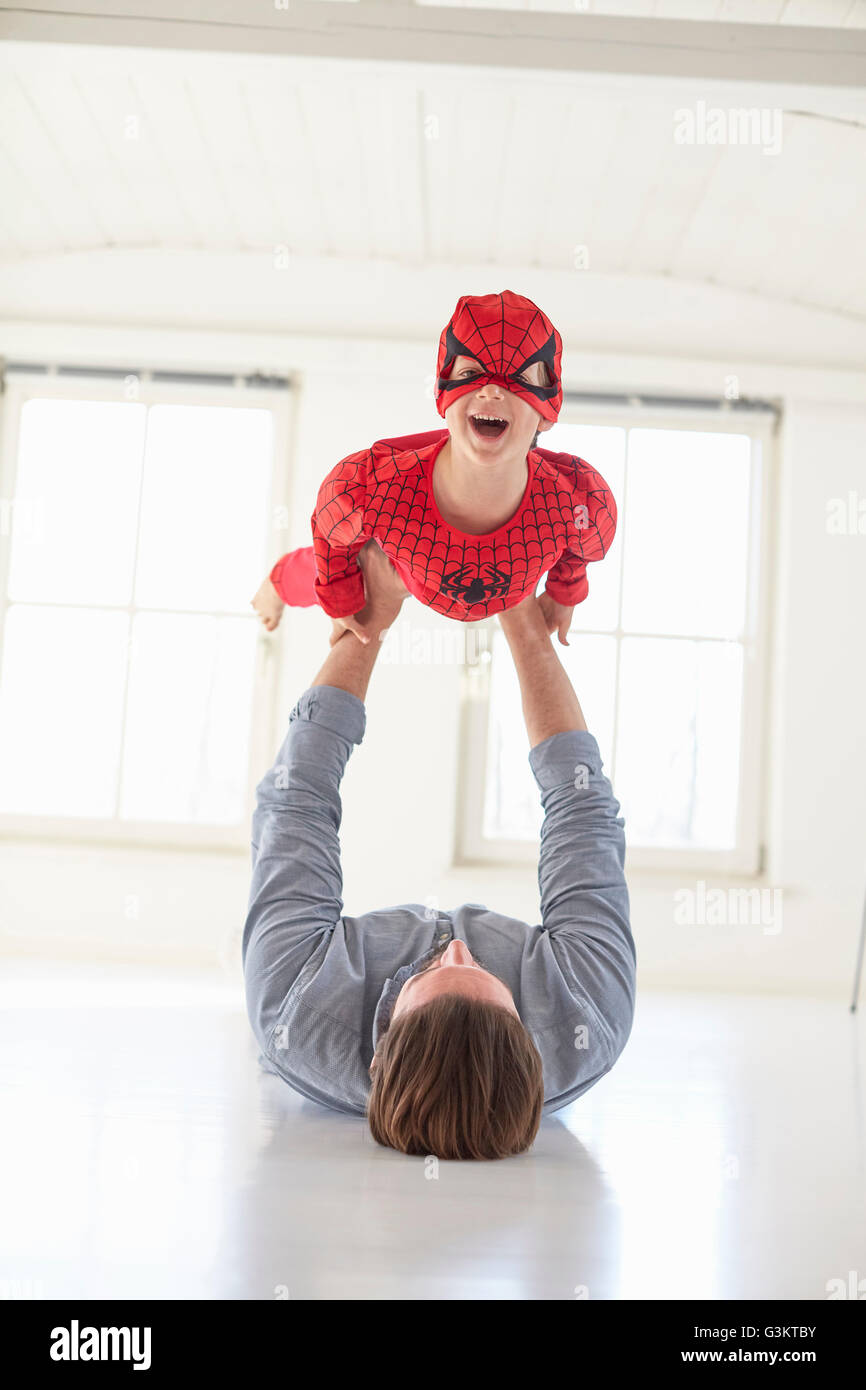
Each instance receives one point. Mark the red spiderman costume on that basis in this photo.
(566, 518)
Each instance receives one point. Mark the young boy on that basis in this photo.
(470, 516)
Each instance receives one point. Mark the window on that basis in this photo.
(133, 534)
(666, 653)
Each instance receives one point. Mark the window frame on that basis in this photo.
(746, 859)
(21, 386)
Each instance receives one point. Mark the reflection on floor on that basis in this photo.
(146, 1155)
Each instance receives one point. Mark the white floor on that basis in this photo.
(145, 1155)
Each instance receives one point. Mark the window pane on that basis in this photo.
(686, 533)
(204, 507)
(61, 702)
(602, 446)
(512, 802)
(188, 719)
(76, 501)
(679, 741)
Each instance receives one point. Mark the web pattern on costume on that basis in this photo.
(500, 341)
(569, 520)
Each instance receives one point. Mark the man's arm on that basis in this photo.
(550, 705)
(296, 889)
(584, 898)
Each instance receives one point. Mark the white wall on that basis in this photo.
(398, 842)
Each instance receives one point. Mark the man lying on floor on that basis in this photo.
(453, 1036)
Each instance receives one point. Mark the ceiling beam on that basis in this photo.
(402, 32)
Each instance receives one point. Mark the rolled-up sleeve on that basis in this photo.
(581, 879)
(296, 889)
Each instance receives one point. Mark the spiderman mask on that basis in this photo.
(506, 333)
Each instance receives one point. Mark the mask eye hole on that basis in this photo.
(466, 372)
(543, 377)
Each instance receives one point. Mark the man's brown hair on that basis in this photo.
(458, 1078)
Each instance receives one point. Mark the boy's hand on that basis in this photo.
(385, 592)
(557, 616)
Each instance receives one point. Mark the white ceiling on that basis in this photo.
(218, 159)
(832, 14)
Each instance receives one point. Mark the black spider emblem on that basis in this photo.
(475, 590)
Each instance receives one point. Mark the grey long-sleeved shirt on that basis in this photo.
(320, 986)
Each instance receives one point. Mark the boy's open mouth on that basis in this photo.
(488, 426)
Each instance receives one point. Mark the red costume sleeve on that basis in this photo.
(567, 582)
(339, 532)
(595, 518)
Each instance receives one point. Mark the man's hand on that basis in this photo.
(524, 617)
(557, 616)
(385, 592)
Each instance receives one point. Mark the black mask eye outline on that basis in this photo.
(546, 354)
(454, 349)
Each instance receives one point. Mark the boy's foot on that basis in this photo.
(268, 605)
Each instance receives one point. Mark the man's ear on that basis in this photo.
(546, 424)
